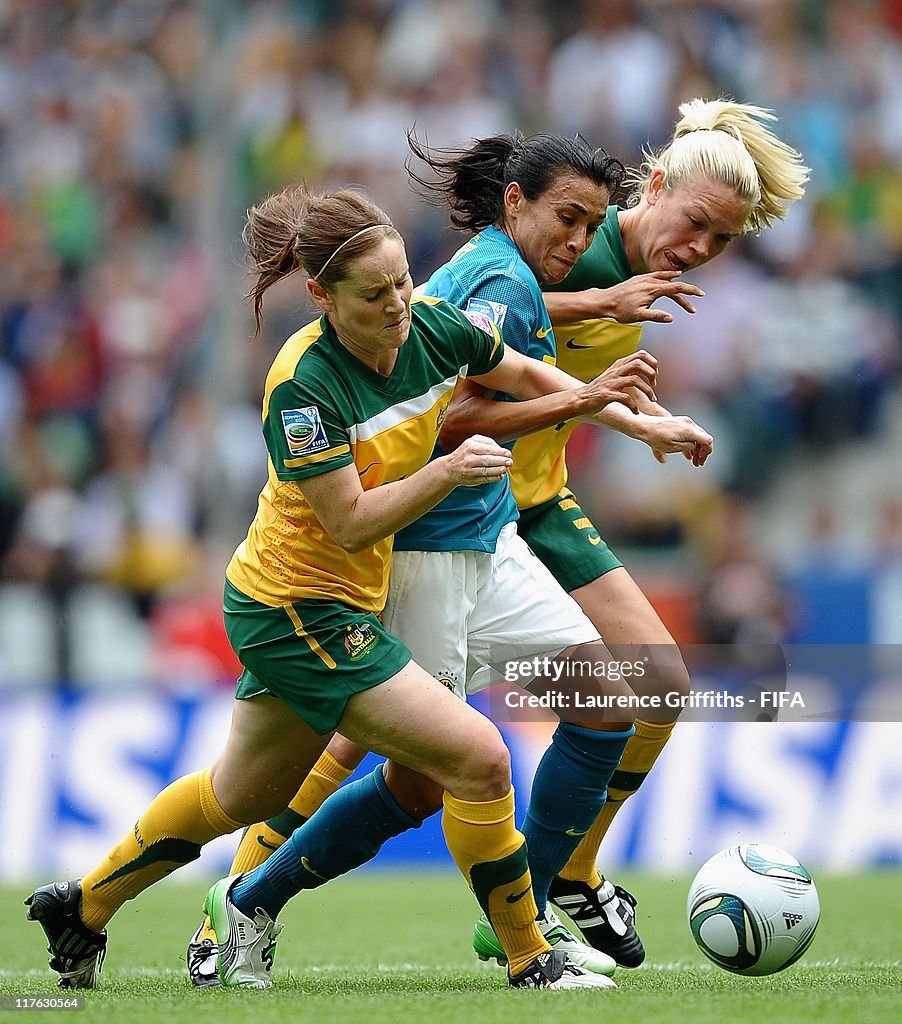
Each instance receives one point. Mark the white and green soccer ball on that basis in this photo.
(753, 909)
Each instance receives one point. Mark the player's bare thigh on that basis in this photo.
(268, 753)
(414, 720)
(627, 621)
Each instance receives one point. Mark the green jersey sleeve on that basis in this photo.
(305, 433)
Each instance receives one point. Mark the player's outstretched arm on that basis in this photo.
(548, 396)
(629, 302)
(663, 432)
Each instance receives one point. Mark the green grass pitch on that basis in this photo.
(377, 947)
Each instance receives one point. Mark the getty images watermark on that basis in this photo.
(578, 697)
(743, 682)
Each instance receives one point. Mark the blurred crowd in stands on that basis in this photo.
(134, 134)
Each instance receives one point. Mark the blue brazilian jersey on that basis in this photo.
(486, 276)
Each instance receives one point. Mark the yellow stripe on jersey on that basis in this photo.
(402, 411)
(584, 350)
(309, 460)
(498, 339)
(324, 656)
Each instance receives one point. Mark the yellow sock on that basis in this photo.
(491, 855)
(170, 833)
(324, 778)
(641, 752)
(260, 840)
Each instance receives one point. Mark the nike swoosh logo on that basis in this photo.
(572, 344)
(168, 850)
(575, 833)
(263, 842)
(305, 864)
(515, 897)
(543, 332)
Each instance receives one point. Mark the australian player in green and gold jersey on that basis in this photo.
(352, 408)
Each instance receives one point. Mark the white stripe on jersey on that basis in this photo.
(400, 413)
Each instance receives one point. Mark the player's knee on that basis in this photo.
(672, 676)
(663, 685)
(595, 688)
(256, 803)
(248, 796)
(484, 773)
(345, 751)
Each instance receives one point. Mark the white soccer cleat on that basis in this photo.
(247, 945)
(201, 958)
(555, 970)
(560, 937)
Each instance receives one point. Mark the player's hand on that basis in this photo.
(666, 435)
(630, 301)
(623, 381)
(479, 460)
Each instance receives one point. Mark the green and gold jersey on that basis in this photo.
(584, 350)
(324, 409)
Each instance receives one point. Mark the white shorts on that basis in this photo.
(465, 613)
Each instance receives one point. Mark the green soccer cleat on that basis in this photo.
(487, 946)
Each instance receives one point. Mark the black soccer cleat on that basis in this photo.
(604, 915)
(76, 952)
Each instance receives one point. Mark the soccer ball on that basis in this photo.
(753, 909)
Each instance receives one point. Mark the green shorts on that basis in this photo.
(563, 537)
(313, 655)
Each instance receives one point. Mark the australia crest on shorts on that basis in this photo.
(360, 640)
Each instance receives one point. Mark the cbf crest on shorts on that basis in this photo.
(304, 430)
